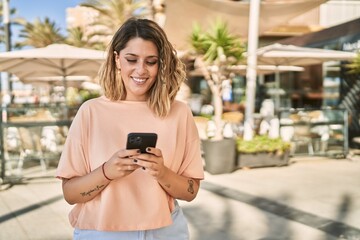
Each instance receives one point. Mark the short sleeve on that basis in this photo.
(192, 165)
(74, 160)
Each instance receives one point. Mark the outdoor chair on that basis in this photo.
(30, 148)
(303, 136)
(11, 146)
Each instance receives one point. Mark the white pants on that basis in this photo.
(177, 231)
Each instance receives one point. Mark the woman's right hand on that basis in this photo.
(121, 164)
(84, 188)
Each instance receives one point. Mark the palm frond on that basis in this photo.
(218, 36)
(40, 33)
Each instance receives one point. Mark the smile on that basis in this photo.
(139, 80)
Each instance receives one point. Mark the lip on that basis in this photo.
(139, 80)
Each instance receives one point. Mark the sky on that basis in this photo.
(30, 10)
(55, 10)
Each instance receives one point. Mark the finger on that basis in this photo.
(154, 151)
(128, 153)
(130, 167)
(145, 157)
(126, 161)
(144, 163)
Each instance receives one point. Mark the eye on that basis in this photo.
(151, 63)
(131, 60)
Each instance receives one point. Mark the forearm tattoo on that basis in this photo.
(191, 186)
(88, 193)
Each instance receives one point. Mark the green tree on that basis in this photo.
(112, 13)
(216, 49)
(40, 34)
(76, 37)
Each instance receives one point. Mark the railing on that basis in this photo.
(28, 128)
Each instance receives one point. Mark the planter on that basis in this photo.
(252, 160)
(219, 156)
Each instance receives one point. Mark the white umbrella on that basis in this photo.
(71, 81)
(279, 54)
(269, 69)
(54, 60)
(265, 69)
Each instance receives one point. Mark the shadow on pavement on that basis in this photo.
(29, 208)
(330, 227)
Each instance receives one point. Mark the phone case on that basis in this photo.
(141, 141)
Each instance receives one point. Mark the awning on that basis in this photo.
(182, 14)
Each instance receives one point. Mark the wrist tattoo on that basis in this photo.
(88, 193)
(191, 186)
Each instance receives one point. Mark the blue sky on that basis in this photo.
(30, 10)
(55, 10)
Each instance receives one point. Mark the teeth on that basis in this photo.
(139, 80)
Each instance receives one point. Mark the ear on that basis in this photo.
(117, 60)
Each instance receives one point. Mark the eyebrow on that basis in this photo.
(134, 55)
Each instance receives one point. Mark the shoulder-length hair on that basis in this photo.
(171, 71)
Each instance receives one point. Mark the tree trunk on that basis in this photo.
(218, 110)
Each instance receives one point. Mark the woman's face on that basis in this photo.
(138, 63)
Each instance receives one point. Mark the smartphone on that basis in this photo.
(141, 141)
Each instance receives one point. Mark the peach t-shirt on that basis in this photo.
(137, 201)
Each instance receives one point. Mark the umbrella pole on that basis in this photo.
(66, 109)
(277, 90)
(2, 177)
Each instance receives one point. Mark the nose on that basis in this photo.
(141, 68)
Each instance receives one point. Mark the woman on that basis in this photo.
(120, 193)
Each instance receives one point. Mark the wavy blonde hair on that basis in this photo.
(171, 72)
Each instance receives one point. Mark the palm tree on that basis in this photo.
(216, 50)
(40, 34)
(76, 37)
(112, 13)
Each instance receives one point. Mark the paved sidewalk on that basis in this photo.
(312, 198)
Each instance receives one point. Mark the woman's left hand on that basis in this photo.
(177, 186)
(152, 162)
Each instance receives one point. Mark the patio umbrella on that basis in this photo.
(269, 69)
(55, 60)
(265, 69)
(71, 81)
(279, 54)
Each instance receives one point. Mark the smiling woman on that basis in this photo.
(127, 193)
